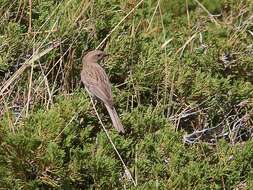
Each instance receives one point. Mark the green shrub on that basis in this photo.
(201, 81)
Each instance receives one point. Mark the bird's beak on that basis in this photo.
(106, 55)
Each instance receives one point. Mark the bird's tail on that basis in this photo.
(115, 119)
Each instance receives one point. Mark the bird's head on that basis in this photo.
(94, 56)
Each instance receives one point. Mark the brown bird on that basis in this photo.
(97, 84)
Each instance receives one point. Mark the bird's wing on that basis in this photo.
(97, 82)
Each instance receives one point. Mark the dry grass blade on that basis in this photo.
(152, 18)
(132, 10)
(30, 17)
(166, 43)
(209, 14)
(28, 63)
(127, 171)
(181, 49)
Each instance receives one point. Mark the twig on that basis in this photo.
(128, 174)
(193, 137)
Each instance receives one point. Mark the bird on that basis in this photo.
(97, 84)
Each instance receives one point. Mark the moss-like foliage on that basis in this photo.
(182, 80)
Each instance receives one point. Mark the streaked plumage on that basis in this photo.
(97, 84)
